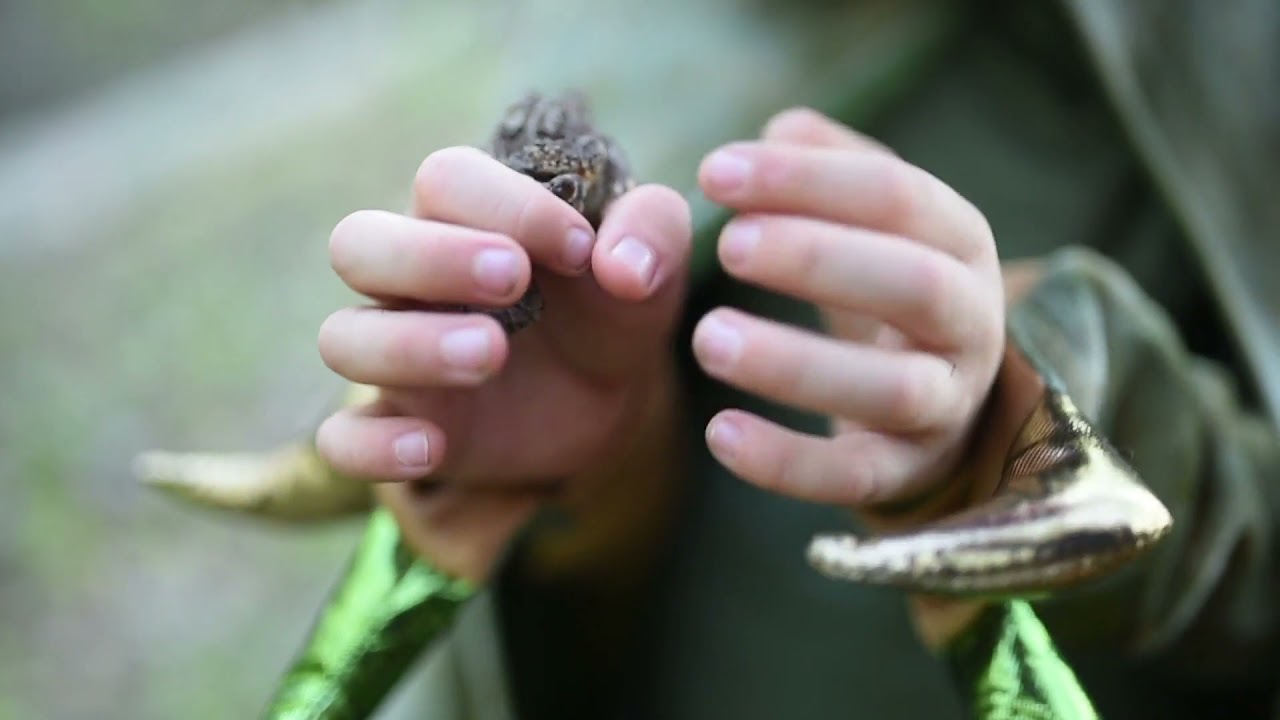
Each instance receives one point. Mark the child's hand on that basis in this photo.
(905, 273)
(495, 424)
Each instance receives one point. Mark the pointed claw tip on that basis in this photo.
(831, 555)
(147, 467)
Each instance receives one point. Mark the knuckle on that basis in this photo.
(786, 471)
(985, 335)
(776, 170)
(808, 255)
(911, 395)
(986, 235)
(979, 242)
(856, 457)
(402, 351)
(437, 169)
(897, 182)
(530, 212)
(808, 374)
(933, 292)
(863, 481)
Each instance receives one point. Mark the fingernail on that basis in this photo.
(739, 240)
(465, 349)
(413, 449)
(496, 271)
(638, 257)
(577, 249)
(718, 343)
(724, 437)
(726, 170)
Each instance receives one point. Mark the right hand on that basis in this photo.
(495, 425)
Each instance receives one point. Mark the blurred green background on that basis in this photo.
(169, 174)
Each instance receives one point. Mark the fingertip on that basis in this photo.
(738, 242)
(652, 206)
(644, 242)
(501, 343)
(344, 240)
(748, 447)
(329, 339)
(465, 186)
(664, 201)
(726, 436)
(379, 449)
(718, 342)
(555, 235)
(725, 171)
(788, 462)
(795, 124)
(502, 269)
(634, 268)
(474, 352)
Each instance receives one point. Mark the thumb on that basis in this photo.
(632, 298)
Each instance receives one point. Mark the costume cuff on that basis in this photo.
(386, 609)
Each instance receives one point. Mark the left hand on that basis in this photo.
(905, 273)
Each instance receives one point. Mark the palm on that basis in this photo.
(541, 418)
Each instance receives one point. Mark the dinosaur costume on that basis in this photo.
(1164, 335)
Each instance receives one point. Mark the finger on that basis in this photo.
(526, 425)
(406, 348)
(856, 469)
(464, 186)
(383, 254)
(867, 189)
(643, 243)
(359, 444)
(805, 126)
(927, 294)
(639, 269)
(890, 390)
(461, 532)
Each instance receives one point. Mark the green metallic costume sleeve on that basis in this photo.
(1195, 609)
(386, 609)
(1007, 668)
(1198, 608)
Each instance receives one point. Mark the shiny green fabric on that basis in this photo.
(388, 607)
(1008, 668)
